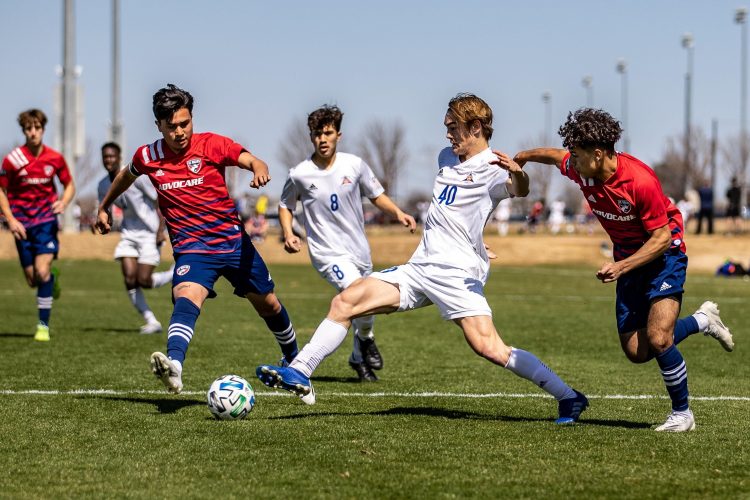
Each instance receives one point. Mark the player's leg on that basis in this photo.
(149, 257)
(45, 283)
(707, 320)
(144, 272)
(129, 266)
(272, 311)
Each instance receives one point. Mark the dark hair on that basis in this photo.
(467, 107)
(169, 100)
(325, 115)
(112, 145)
(31, 115)
(590, 128)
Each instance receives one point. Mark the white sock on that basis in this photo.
(161, 278)
(326, 339)
(362, 330)
(149, 316)
(702, 320)
(526, 365)
(138, 300)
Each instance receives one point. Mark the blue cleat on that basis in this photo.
(289, 379)
(571, 408)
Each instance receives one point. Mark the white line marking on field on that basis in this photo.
(112, 392)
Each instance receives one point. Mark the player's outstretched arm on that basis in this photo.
(258, 167)
(388, 207)
(291, 241)
(655, 246)
(518, 183)
(122, 182)
(16, 228)
(69, 192)
(547, 156)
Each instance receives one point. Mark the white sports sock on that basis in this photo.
(363, 327)
(161, 278)
(526, 365)
(702, 319)
(138, 300)
(326, 339)
(149, 317)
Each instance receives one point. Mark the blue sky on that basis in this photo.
(255, 67)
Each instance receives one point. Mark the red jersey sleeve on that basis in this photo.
(63, 173)
(5, 170)
(137, 162)
(649, 199)
(224, 151)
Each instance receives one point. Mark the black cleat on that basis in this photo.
(364, 372)
(371, 354)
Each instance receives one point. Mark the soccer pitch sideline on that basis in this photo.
(82, 416)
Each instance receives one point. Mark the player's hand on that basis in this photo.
(490, 254)
(407, 220)
(103, 222)
(261, 177)
(160, 238)
(520, 161)
(17, 229)
(292, 244)
(505, 162)
(58, 207)
(609, 272)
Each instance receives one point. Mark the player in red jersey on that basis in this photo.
(29, 202)
(207, 236)
(649, 251)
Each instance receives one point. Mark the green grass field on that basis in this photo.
(441, 423)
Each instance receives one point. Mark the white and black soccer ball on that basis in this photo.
(230, 398)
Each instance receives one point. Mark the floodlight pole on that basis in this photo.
(622, 68)
(116, 131)
(547, 100)
(68, 102)
(740, 17)
(687, 44)
(588, 84)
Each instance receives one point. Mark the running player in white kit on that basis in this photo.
(448, 269)
(142, 234)
(330, 185)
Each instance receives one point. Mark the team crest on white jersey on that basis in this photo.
(624, 206)
(49, 170)
(194, 165)
(312, 187)
(159, 173)
(345, 180)
(469, 178)
(182, 270)
(440, 172)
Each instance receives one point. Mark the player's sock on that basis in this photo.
(161, 278)
(149, 316)
(181, 326)
(138, 300)
(44, 301)
(688, 326)
(362, 331)
(326, 339)
(526, 365)
(282, 328)
(674, 373)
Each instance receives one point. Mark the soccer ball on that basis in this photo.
(230, 398)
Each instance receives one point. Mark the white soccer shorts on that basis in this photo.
(140, 245)
(343, 272)
(452, 290)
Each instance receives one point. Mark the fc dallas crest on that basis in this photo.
(194, 165)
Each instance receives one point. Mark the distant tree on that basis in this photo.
(296, 145)
(731, 153)
(383, 147)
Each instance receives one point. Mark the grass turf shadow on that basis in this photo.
(163, 405)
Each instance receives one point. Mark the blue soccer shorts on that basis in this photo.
(40, 239)
(244, 268)
(636, 290)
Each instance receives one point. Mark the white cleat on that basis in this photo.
(151, 327)
(167, 371)
(309, 398)
(678, 421)
(716, 328)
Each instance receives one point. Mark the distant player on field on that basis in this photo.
(29, 202)
(649, 251)
(330, 185)
(207, 237)
(142, 236)
(448, 269)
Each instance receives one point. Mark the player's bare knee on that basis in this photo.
(130, 281)
(341, 309)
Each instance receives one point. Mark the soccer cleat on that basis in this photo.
(370, 353)
(716, 328)
(678, 421)
(151, 327)
(570, 409)
(42, 333)
(364, 372)
(56, 289)
(289, 379)
(166, 371)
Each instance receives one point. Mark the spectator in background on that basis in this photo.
(556, 216)
(733, 206)
(706, 194)
(502, 216)
(536, 214)
(257, 227)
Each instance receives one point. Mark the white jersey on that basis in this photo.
(138, 204)
(332, 203)
(463, 198)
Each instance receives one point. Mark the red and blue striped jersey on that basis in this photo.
(29, 182)
(201, 217)
(629, 204)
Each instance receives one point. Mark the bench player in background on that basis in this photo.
(330, 185)
(142, 234)
(649, 250)
(29, 202)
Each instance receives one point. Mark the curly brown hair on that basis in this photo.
(590, 128)
(325, 115)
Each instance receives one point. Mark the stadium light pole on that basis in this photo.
(622, 68)
(740, 17)
(588, 84)
(687, 44)
(69, 102)
(116, 131)
(547, 100)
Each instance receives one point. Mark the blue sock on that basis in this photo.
(674, 373)
(684, 328)
(282, 328)
(44, 301)
(181, 325)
